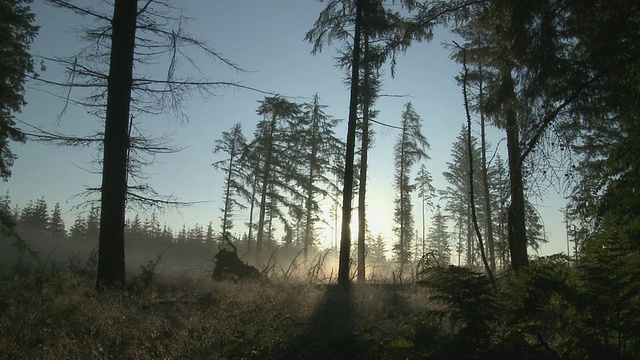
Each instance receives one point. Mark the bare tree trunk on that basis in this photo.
(111, 266)
(309, 201)
(227, 197)
(516, 231)
(251, 208)
(362, 191)
(265, 186)
(485, 180)
(345, 236)
(474, 215)
(402, 215)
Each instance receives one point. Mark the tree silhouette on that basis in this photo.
(438, 244)
(233, 143)
(278, 163)
(17, 32)
(457, 193)
(408, 150)
(346, 21)
(322, 149)
(129, 33)
(426, 192)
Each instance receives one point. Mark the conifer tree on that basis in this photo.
(322, 148)
(128, 34)
(438, 238)
(426, 192)
(409, 149)
(274, 146)
(346, 20)
(457, 193)
(233, 143)
(17, 32)
(56, 224)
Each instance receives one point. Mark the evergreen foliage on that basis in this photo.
(438, 239)
(17, 33)
(408, 150)
(234, 144)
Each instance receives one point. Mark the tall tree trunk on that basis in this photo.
(485, 179)
(111, 266)
(253, 200)
(474, 215)
(265, 185)
(402, 215)
(362, 191)
(309, 209)
(309, 201)
(227, 198)
(516, 225)
(345, 236)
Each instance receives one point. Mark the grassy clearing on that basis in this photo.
(59, 316)
(554, 309)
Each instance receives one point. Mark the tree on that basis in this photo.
(334, 23)
(111, 266)
(438, 238)
(606, 123)
(426, 192)
(17, 32)
(457, 193)
(375, 25)
(233, 143)
(77, 231)
(152, 229)
(317, 35)
(209, 237)
(523, 53)
(322, 148)
(56, 224)
(472, 189)
(409, 149)
(130, 33)
(277, 163)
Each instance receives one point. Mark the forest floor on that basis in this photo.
(59, 315)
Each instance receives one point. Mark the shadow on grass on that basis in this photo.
(330, 333)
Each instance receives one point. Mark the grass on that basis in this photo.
(548, 311)
(59, 316)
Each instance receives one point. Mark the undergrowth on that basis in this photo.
(555, 309)
(57, 314)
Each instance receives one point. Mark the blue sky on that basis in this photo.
(265, 38)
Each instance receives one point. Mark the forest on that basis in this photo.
(558, 79)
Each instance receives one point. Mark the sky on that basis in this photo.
(265, 38)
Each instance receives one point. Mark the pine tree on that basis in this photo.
(322, 148)
(134, 231)
(349, 19)
(17, 32)
(209, 238)
(93, 225)
(438, 238)
(151, 228)
(409, 149)
(233, 143)
(426, 192)
(134, 35)
(78, 230)
(275, 148)
(457, 194)
(56, 224)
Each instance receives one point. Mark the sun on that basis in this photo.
(379, 219)
(379, 222)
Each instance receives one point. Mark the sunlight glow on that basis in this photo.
(379, 221)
